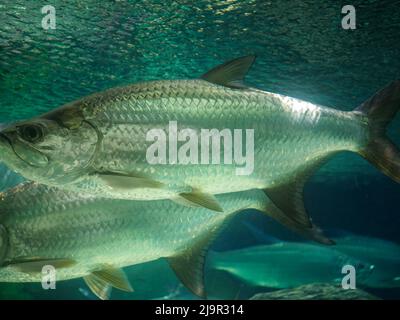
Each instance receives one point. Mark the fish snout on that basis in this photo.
(9, 131)
(4, 139)
(14, 148)
(6, 148)
(8, 136)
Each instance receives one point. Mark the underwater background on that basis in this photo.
(302, 51)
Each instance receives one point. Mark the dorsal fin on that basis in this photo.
(231, 73)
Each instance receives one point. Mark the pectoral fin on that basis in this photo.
(36, 264)
(201, 199)
(121, 181)
(101, 282)
(189, 264)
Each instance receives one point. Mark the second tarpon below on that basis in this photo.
(101, 144)
(84, 236)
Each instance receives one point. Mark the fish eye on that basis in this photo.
(31, 133)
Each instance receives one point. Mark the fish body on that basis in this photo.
(122, 117)
(288, 264)
(40, 223)
(289, 135)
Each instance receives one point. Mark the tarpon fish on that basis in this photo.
(288, 264)
(84, 236)
(99, 144)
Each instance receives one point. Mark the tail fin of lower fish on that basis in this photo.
(380, 110)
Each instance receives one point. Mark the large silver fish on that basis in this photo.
(84, 236)
(99, 144)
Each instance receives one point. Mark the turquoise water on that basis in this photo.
(301, 49)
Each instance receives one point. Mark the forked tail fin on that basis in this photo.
(380, 110)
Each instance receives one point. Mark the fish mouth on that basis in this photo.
(9, 144)
(5, 146)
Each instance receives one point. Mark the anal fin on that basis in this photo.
(98, 286)
(309, 230)
(289, 198)
(288, 208)
(101, 281)
(115, 277)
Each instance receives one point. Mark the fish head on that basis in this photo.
(48, 149)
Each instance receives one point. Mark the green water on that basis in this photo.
(301, 49)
